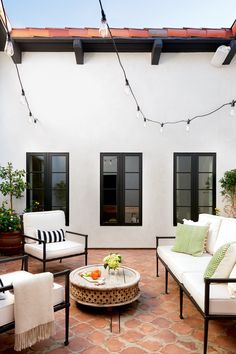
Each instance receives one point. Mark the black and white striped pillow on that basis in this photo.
(51, 236)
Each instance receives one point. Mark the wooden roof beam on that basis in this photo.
(231, 53)
(79, 52)
(156, 51)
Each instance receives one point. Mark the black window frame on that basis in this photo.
(121, 187)
(47, 180)
(194, 183)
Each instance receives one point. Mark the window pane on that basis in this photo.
(205, 180)
(36, 180)
(36, 195)
(131, 164)
(183, 198)
(132, 181)
(132, 215)
(183, 213)
(183, 180)
(131, 198)
(183, 164)
(58, 163)
(109, 197)
(205, 163)
(59, 197)
(205, 198)
(206, 210)
(59, 180)
(37, 163)
(109, 164)
(109, 214)
(109, 181)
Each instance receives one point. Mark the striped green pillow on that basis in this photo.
(222, 262)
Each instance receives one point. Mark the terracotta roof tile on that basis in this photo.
(126, 32)
(77, 32)
(138, 33)
(176, 32)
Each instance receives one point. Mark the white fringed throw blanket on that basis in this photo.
(33, 309)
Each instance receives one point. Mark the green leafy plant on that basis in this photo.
(12, 184)
(228, 190)
(9, 220)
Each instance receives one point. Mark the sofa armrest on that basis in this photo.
(162, 237)
(208, 282)
(66, 274)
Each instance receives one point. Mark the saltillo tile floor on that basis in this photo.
(150, 325)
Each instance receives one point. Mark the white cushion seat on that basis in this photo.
(55, 249)
(7, 305)
(220, 301)
(179, 263)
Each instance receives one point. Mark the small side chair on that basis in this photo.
(46, 238)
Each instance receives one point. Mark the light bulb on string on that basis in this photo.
(9, 49)
(145, 122)
(232, 109)
(138, 113)
(23, 98)
(188, 125)
(161, 128)
(103, 30)
(32, 119)
(127, 87)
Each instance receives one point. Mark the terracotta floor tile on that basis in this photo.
(149, 325)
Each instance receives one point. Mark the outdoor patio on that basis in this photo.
(150, 325)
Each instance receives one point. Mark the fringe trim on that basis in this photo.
(26, 339)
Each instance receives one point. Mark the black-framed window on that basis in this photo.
(121, 189)
(48, 179)
(194, 185)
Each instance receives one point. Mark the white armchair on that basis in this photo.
(49, 226)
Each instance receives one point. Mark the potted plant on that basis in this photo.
(228, 190)
(12, 184)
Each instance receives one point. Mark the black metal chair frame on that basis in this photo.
(45, 260)
(63, 305)
(182, 290)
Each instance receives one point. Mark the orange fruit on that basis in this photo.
(95, 274)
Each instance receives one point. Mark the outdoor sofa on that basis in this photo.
(214, 296)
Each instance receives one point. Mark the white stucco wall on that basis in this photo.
(83, 110)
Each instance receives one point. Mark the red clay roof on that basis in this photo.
(126, 32)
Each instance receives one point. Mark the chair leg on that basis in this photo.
(180, 303)
(166, 281)
(86, 258)
(157, 264)
(206, 323)
(44, 266)
(66, 325)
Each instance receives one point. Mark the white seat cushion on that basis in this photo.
(220, 300)
(227, 233)
(7, 305)
(214, 225)
(55, 249)
(179, 263)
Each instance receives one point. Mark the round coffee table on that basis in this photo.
(117, 290)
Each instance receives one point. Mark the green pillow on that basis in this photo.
(190, 239)
(222, 262)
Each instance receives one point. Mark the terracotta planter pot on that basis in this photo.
(11, 242)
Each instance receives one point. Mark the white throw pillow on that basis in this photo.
(232, 286)
(214, 225)
(227, 232)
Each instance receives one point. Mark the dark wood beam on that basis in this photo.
(17, 57)
(79, 52)
(156, 51)
(231, 53)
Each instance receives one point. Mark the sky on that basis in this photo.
(122, 13)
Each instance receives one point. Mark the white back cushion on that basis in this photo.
(43, 220)
(214, 226)
(227, 232)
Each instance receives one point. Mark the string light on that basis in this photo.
(144, 122)
(10, 49)
(129, 90)
(103, 30)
